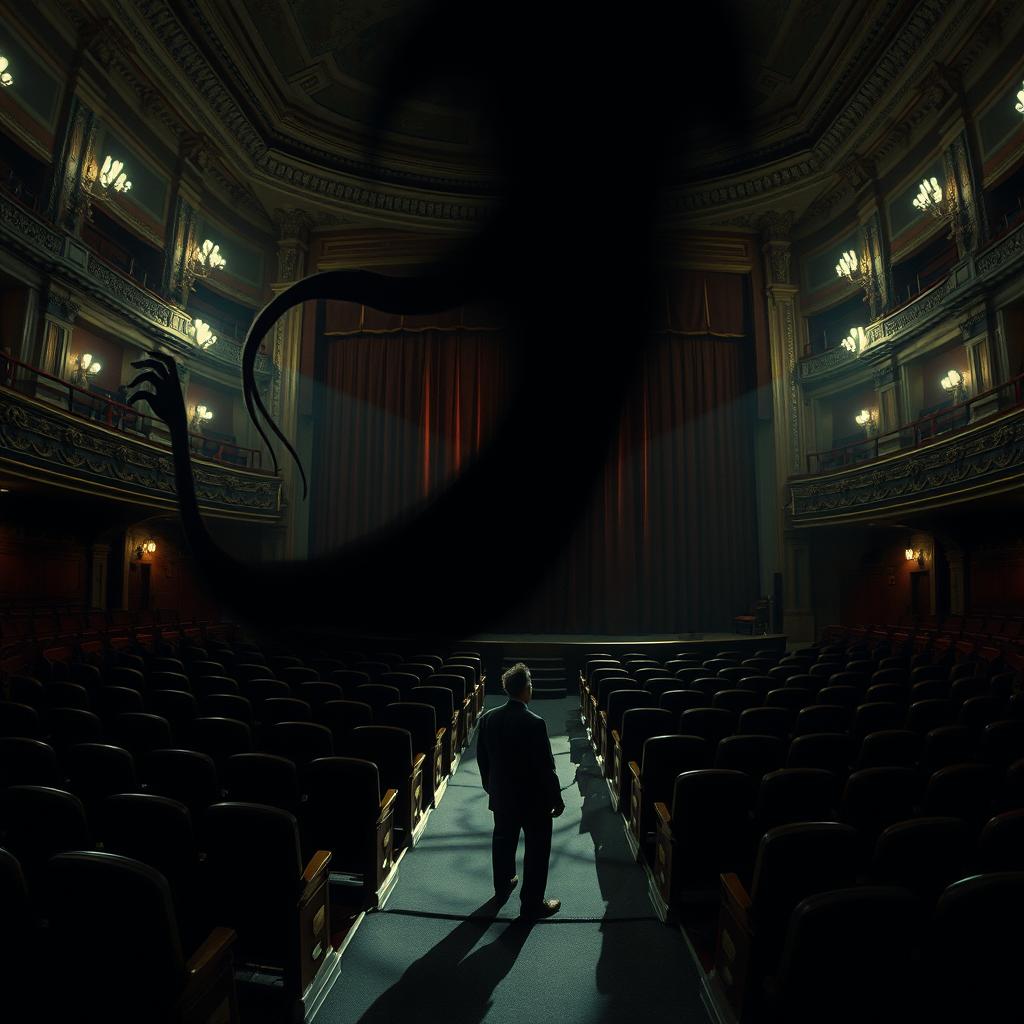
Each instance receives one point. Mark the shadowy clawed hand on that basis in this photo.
(161, 373)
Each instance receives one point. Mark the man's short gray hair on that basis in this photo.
(515, 679)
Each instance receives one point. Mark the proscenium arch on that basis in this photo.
(571, 277)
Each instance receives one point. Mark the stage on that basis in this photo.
(555, 659)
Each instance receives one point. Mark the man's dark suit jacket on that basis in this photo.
(516, 765)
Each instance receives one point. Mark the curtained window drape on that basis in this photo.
(669, 542)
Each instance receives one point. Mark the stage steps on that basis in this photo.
(549, 675)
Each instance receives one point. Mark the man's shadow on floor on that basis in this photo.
(446, 984)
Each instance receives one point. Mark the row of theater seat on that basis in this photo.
(176, 790)
(130, 962)
(986, 634)
(708, 789)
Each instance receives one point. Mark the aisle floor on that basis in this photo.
(443, 950)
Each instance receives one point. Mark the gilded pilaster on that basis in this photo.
(286, 341)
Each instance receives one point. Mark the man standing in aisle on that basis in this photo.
(518, 773)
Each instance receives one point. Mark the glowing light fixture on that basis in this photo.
(1018, 106)
(848, 266)
(866, 419)
(147, 547)
(929, 197)
(207, 257)
(85, 367)
(855, 341)
(953, 383)
(5, 76)
(909, 554)
(113, 176)
(201, 334)
(200, 415)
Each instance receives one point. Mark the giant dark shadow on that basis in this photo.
(585, 109)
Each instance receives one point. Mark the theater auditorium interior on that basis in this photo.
(352, 352)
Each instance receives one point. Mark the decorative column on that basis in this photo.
(69, 192)
(286, 350)
(194, 154)
(782, 338)
(787, 401)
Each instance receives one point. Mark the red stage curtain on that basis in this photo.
(403, 412)
(669, 543)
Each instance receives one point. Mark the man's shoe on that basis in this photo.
(543, 909)
(506, 889)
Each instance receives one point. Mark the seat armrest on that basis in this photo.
(316, 871)
(634, 770)
(734, 896)
(217, 945)
(616, 739)
(387, 805)
(417, 762)
(439, 737)
(664, 818)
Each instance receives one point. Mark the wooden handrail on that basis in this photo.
(8, 365)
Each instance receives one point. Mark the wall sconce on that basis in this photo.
(207, 257)
(147, 547)
(113, 177)
(937, 201)
(5, 76)
(953, 384)
(866, 419)
(1018, 106)
(200, 415)
(85, 367)
(201, 334)
(915, 556)
(857, 271)
(855, 341)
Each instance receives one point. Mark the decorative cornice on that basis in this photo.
(290, 161)
(60, 307)
(45, 442)
(988, 458)
(879, 109)
(883, 375)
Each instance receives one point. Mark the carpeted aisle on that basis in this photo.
(443, 950)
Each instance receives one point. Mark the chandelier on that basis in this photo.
(201, 334)
(5, 76)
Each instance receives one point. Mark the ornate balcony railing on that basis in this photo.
(986, 457)
(56, 432)
(911, 435)
(70, 261)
